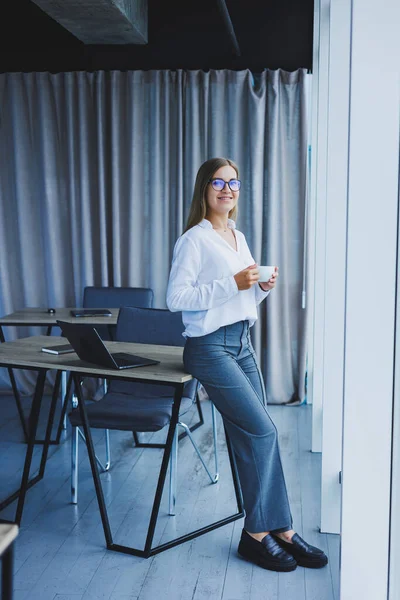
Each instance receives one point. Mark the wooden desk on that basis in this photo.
(8, 533)
(39, 317)
(26, 354)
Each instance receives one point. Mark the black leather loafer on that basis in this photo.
(266, 554)
(305, 554)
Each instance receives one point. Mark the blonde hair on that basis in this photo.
(198, 208)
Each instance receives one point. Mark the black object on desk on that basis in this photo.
(90, 347)
(59, 349)
(91, 312)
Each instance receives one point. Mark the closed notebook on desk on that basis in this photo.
(90, 347)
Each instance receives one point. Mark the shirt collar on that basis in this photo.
(207, 224)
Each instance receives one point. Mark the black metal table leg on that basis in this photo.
(56, 390)
(164, 466)
(17, 397)
(47, 441)
(27, 483)
(33, 424)
(56, 441)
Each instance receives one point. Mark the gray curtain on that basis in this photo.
(96, 177)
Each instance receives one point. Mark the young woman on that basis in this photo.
(215, 283)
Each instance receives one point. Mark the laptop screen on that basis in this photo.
(87, 343)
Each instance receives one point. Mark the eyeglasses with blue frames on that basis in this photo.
(219, 184)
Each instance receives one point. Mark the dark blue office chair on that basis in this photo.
(136, 406)
(113, 297)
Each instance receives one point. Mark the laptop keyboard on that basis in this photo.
(121, 358)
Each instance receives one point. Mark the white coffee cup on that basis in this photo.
(265, 273)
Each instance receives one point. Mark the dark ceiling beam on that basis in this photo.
(229, 25)
(101, 21)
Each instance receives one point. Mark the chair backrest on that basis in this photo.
(115, 297)
(150, 326)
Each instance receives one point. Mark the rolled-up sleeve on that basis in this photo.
(184, 293)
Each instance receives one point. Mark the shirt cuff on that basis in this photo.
(261, 294)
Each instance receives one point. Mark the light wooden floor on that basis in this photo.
(61, 552)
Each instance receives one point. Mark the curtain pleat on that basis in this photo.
(96, 179)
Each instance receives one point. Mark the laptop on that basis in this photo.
(91, 312)
(90, 347)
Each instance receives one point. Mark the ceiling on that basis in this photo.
(183, 34)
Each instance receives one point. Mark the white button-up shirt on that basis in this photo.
(202, 284)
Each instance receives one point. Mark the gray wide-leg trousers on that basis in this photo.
(224, 363)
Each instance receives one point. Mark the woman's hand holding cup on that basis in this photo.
(246, 278)
(271, 283)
